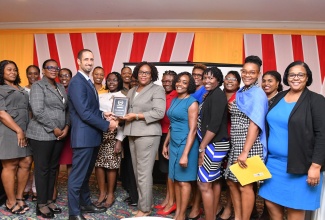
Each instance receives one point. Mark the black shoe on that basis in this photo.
(44, 215)
(128, 199)
(132, 203)
(77, 217)
(55, 210)
(195, 218)
(92, 209)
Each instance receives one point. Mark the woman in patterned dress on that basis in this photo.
(213, 137)
(247, 134)
(109, 155)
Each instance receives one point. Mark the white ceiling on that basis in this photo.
(282, 14)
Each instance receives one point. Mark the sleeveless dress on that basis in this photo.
(285, 189)
(178, 116)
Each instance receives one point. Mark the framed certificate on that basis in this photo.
(120, 106)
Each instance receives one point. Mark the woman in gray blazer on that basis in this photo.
(147, 104)
(49, 125)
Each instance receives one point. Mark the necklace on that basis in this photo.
(273, 96)
(171, 108)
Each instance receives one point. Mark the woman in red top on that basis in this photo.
(168, 205)
(231, 85)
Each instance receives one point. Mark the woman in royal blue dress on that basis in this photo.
(296, 147)
(181, 145)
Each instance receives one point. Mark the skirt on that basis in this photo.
(211, 168)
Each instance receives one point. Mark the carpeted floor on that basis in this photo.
(119, 210)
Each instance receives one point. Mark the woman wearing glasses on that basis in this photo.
(168, 205)
(247, 134)
(296, 146)
(49, 125)
(147, 105)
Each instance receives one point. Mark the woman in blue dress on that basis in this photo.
(296, 147)
(181, 145)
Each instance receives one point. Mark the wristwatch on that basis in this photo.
(201, 150)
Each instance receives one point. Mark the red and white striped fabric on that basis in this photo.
(112, 49)
(278, 51)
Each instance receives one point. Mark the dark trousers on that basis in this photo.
(127, 173)
(83, 162)
(46, 156)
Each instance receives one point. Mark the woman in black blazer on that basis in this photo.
(296, 146)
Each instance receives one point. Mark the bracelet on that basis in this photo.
(201, 150)
(136, 117)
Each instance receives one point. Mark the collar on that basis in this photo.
(84, 75)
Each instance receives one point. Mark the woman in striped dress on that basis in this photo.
(213, 135)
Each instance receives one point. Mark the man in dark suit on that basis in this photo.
(87, 125)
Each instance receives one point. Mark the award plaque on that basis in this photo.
(120, 106)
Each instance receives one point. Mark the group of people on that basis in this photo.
(197, 129)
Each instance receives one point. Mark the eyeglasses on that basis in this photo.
(299, 75)
(166, 81)
(230, 79)
(147, 73)
(65, 76)
(248, 73)
(197, 75)
(52, 68)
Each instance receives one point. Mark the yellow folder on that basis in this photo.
(255, 171)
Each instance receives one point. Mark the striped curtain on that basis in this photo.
(278, 51)
(112, 49)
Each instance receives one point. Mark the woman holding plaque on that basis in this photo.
(147, 106)
(109, 155)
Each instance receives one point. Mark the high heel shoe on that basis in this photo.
(159, 206)
(171, 210)
(19, 211)
(44, 215)
(55, 210)
(24, 206)
(99, 203)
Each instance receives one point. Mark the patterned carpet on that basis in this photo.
(119, 210)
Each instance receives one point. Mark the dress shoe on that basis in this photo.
(76, 217)
(172, 209)
(220, 212)
(128, 199)
(54, 208)
(195, 218)
(159, 206)
(132, 203)
(44, 215)
(92, 209)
